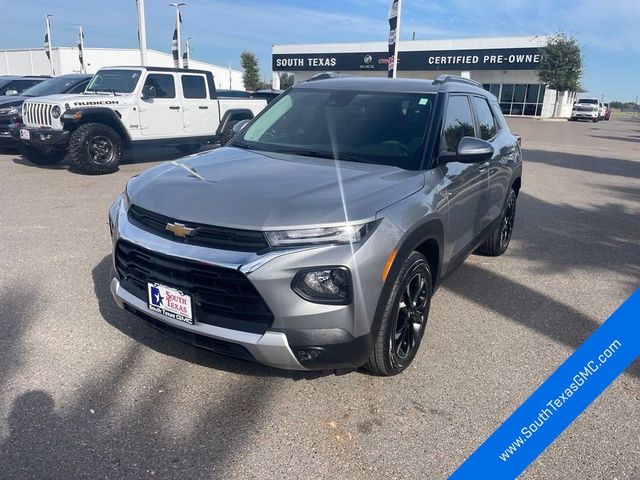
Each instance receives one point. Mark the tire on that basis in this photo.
(498, 242)
(392, 354)
(227, 133)
(595, 120)
(95, 149)
(188, 148)
(41, 157)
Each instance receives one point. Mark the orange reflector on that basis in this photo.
(387, 266)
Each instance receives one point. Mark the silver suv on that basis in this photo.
(317, 237)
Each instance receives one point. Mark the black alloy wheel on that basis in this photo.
(100, 149)
(507, 222)
(411, 320)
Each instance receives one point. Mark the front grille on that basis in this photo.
(585, 109)
(220, 296)
(205, 235)
(37, 114)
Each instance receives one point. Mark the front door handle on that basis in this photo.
(484, 166)
(203, 107)
(174, 107)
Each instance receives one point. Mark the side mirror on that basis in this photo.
(238, 127)
(472, 150)
(148, 91)
(11, 92)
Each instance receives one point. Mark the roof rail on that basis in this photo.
(454, 78)
(326, 75)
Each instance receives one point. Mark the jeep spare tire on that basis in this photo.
(95, 149)
(41, 157)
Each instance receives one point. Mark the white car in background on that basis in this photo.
(587, 109)
(124, 106)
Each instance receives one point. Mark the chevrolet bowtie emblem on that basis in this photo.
(180, 230)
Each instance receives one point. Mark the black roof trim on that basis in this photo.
(164, 69)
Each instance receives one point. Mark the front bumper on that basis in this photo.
(585, 115)
(43, 138)
(303, 335)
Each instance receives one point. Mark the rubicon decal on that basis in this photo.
(96, 102)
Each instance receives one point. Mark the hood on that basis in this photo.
(12, 100)
(246, 189)
(79, 100)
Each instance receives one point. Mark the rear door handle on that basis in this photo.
(203, 107)
(174, 107)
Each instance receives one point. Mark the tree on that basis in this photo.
(561, 65)
(286, 80)
(250, 71)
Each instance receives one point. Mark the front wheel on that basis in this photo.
(41, 157)
(404, 319)
(95, 149)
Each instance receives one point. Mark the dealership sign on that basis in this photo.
(473, 59)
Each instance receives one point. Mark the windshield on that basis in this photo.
(588, 100)
(51, 87)
(372, 127)
(121, 81)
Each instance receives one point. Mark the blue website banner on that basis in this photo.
(560, 399)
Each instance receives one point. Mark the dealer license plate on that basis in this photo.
(170, 302)
(25, 134)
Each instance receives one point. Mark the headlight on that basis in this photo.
(324, 285)
(56, 111)
(9, 111)
(342, 234)
(126, 203)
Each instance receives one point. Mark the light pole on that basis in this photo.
(142, 33)
(178, 22)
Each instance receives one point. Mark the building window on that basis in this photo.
(518, 98)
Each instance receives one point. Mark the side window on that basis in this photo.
(486, 122)
(80, 87)
(458, 123)
(165, 85)
(193, 86)
(22, 85)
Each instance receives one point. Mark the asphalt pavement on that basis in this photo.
(89, 391)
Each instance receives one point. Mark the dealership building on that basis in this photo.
(506, 66)
(34, 61)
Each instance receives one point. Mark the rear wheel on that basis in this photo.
(227, 133)
(188, 148)
(498, 242)
(41, 157)
(95, 149)
(404, 319)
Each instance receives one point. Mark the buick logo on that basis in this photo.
(368, 59)
(180, 230)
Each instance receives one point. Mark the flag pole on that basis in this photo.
(178, 25)
(49, 44)
(81, 46)
(142, 32)
(395, 53)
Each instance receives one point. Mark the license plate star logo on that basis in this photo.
(156, 297)
(180, 230)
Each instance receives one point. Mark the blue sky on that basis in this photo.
(607, 29)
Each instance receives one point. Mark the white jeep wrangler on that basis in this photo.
(129, 106)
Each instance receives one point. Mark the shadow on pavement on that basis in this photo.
(635, 138)
(101, 434)
(587, 163)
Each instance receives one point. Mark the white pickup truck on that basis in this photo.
(129, 106)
